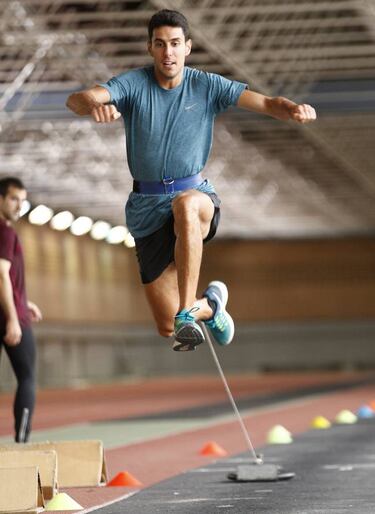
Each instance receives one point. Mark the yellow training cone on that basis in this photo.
(279, 435)
(320, 422)
(346, 417)
(62, 501)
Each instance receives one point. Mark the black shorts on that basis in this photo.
(156, 251)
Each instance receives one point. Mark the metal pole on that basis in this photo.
(249, 444)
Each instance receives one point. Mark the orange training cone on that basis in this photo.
(124, 479)
(213, 448)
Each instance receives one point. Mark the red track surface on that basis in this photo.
(62, 407)
(158, 459)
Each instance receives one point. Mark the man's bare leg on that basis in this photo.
(163, 297)
(174, 291)
(193, 212)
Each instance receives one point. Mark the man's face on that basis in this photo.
(169, 49)
(11, 204)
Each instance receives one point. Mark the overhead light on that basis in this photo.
(62, 220)
(100, 230)
(117, 235)
(129, 240)
(81, 226)
(40, 215)
(25, 207)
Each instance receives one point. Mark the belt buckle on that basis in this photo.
(168, 185)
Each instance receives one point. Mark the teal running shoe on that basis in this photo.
(188, 334)
(221, 325)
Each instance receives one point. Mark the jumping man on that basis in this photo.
(169, 111)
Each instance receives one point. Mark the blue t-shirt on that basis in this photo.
(168, 133)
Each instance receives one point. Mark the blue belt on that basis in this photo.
(167, 185)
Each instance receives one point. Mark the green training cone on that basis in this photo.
(279, 435)
(320, 422)
(346, 417)
(62, 501)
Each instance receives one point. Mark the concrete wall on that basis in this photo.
(76, 356)
(296, 280)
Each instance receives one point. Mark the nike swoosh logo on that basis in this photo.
(190, 107)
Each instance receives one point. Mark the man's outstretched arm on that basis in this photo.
(93, 102)
(277, 107)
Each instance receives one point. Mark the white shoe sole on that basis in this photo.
(221, 291)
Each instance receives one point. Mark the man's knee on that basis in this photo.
(185, 207)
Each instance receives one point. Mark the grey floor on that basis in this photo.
(335, 474)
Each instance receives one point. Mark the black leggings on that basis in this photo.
(22, 358)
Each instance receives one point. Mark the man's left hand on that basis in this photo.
(34, 311)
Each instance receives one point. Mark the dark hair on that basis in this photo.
(7, 182)
(169, 18)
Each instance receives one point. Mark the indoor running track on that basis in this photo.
(155, 430)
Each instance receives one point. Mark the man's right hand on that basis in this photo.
(105, 113)
(13, 333)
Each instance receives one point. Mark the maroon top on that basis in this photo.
(11, 250)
